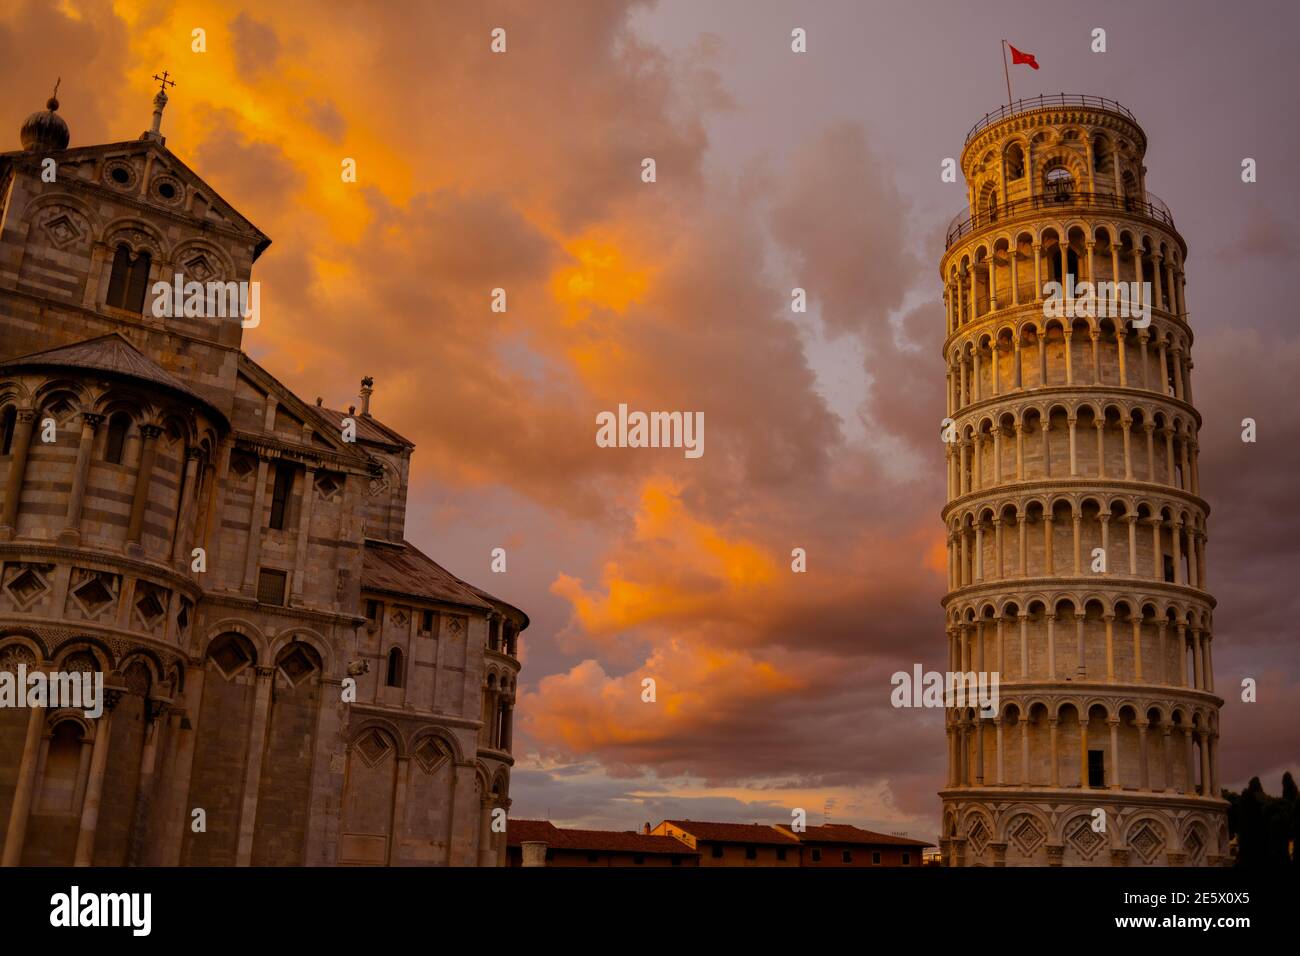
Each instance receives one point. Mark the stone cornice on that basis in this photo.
(276, 447)
(1013, 315)
(1018, 793)
(94, 559)
(297, 612)
(1016, 589)
(1048, 486)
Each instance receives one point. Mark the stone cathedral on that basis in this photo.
(288, 681)
(1075, 524)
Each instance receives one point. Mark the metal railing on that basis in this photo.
(1151, 208)
(1047, 101)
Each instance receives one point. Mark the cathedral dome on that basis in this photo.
(45, 130)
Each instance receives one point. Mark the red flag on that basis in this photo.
(1018, 57)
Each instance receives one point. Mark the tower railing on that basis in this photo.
(1153, 207)
(1046, 101)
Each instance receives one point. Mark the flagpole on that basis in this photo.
(1005, 71)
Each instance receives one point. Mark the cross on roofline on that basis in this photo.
(163, 81)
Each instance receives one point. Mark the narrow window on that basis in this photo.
(780, 854)
(875, 858)
(847, 856)
(816, 856)
(138, 283)
(7, 423)
(280, 496)
(907, 859)
(751, 853)
(373, 610)
(638, 859)
(677, 861)
(427, 622)
(394, 668)
(118, 280)
(117, 428)
(717, 851)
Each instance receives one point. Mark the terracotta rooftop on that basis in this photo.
(592, 841)
(112, 353)
(843, 833)
(405, 569)
(734, 832)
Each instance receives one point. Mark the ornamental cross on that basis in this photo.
(163, 81)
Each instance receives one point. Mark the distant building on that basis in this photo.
(701, 843)
(734, 844)
(541, 843)
(838, 844)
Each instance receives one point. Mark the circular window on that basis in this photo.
(120, 173)
(166, 189)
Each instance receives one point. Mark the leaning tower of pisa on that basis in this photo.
(1076, 529)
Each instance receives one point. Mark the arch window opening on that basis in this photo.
(118, 425)
(1058, 184)
(128, 280)
(8, 422)
(394, 676)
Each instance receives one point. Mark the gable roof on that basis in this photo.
(843, 833)
(113, 354)
(592, 841)
(734, 832)
(405, 569)
(261, 378)
(232, 218)
(368, 428)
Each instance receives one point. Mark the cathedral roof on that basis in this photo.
(113, 354)
(402, 568)
(368, 428)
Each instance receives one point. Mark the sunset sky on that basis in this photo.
(523, 171)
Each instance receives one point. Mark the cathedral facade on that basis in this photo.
(287, 680)
(1075, 523)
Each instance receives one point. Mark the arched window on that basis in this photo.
(129, 281)
(117, 429)
(394, 677)
(118, 281)
(1058, 184)
(8, 419)
(1099, 155)
(135, 289)
(1015, 161)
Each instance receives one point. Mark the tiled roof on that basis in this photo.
(593, 841)
(733, 832)
(368, 428)
(843, 833)
(405, 569)
(112, 353)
